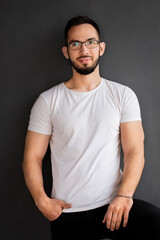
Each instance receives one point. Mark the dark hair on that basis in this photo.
(77, 21)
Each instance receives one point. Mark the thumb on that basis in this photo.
(65, 204)
(104, 219)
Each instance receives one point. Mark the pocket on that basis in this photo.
(58, 218)
(58, 228)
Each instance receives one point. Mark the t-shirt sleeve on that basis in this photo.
(40, 120)
(130, 107)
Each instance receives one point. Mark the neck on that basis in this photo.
(85, 82)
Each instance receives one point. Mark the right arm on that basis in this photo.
(35, 148)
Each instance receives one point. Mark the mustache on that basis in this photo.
(84, 57)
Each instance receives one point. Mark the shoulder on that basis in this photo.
(121, 94)
(51, 91)
(52, 94)
(115, 86)
(48, 97)
(118, 90)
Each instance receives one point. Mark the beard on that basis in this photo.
(84, 70)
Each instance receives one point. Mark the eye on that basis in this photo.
(74, 44)
(91, 42)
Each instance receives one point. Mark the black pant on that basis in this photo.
(144, 223)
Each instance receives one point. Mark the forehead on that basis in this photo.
(82, 32)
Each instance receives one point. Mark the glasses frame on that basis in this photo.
(98, 42)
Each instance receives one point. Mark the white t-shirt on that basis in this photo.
(85, 140)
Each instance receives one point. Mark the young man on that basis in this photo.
(85, 120)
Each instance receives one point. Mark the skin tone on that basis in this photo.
(132, 140)
(80, 82)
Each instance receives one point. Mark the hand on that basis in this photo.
(119, 207)
(52, 208)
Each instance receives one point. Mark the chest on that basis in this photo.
(85, 116)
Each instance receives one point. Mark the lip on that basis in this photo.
(84, 60)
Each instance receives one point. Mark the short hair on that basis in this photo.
(78, 21)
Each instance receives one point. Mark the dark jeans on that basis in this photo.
(144, 223)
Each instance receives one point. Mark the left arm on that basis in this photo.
(132, 140)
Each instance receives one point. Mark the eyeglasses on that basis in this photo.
(89, 44)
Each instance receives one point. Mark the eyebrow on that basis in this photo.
(93, 38)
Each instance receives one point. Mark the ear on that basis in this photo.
(102, 48)
(65, 52)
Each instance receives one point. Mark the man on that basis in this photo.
(85, 120)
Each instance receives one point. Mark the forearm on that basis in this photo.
(50, 208)
(133, 167)
(132, 140)
(34, 180)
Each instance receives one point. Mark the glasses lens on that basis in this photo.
(89, 44)
(75, 45)
(92, 43)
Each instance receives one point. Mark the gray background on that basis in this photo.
(31, 61)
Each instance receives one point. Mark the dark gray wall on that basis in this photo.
(32, 61)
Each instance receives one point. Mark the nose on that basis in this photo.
(84, 48)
